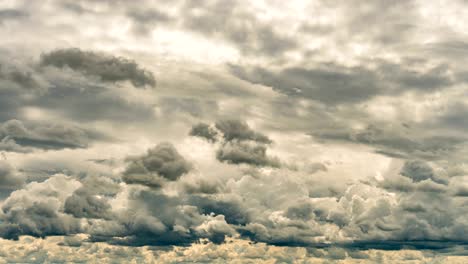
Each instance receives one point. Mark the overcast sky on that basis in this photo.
(171, 131)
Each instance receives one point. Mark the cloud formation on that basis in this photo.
(162, 162)
(9, 178)
(107, 68)
(300, 131)
(240, 131)
(238, 153)
(240, 144)
(18, 137)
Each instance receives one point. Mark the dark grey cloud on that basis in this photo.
(233, 129)
(451, 118)
(68, 94)
(158, 219)
(19, 137)
(246, 153)
(398, 140)
(84, 204)
(335, 84)
(417, 171)
(240, 144)
(204, 131)
(10, 103)
(202, 186)
(91, 199)
(87, 102)
(11, 14)
(23, 78)
(233, 211)
(160, 163)
(106, 67)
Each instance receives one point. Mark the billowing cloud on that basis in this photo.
(160, 163)
(36, 209)
(88, 205)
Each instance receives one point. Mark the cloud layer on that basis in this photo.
(233, 131)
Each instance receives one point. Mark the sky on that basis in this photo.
(222, 131)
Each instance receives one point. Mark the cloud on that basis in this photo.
(144, 20)
(396, 140)
(11, 14)
(85, 204)
(64, 93)
(160, 163)
(237, 130)
(240, 144)
(17, 136)
(35, 210)
(9, 178)
(204, 131)
(241, 152)
(55, 249)
(107, 68)
(332, 132)
(240, 27)
(418, 171)
(24, 78)
(337, 84)
(154, 218)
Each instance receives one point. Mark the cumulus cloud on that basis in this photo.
(154, 218)
(107, 68)
(36, 209)
(85, 204)
(162, 162)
